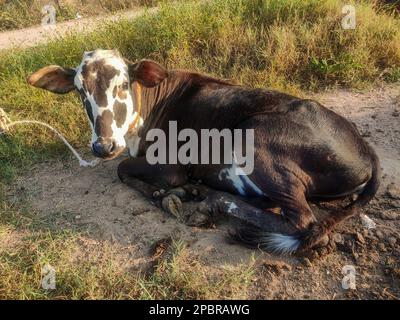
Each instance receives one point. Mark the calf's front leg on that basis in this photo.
(163, 175)
(160, 183)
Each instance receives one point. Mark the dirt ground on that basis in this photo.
(36, 35)
(95, 198)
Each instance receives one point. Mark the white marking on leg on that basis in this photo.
(242, 183)
(246, 180)
(230, 174)
(232, 206)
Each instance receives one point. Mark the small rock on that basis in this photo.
(314, 255)
(389, 215)
(380, 235)
(138, 211)
(393, 191)
(367, 222)
(337, 238)
(360, 237)
(392, 241)
(307, 262)
(373, 238)
(78, 217)
(381, 247)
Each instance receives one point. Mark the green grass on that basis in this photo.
(290, 45)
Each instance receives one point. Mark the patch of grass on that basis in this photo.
(92, 269)
(289, 45)
(182, 276)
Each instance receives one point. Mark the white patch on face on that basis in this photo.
(113, 59)
(242, 183)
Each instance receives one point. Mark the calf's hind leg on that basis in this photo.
(219, 203)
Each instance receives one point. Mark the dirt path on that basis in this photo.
(33, 36)
(68, 195)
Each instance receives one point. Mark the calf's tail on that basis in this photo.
(283, 243)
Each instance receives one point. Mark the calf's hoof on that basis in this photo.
(173, 205)
(199, 219)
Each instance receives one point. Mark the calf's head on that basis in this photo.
(104, 81)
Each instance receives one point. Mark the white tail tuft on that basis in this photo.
(281, 243)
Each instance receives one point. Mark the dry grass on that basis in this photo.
(92, 269)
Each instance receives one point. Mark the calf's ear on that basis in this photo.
(148, 73)
(53, 78)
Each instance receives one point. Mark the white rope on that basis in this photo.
(6, 124)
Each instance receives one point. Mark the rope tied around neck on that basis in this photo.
(6, 124)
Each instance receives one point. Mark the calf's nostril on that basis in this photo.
(104, 148)
(97, 148)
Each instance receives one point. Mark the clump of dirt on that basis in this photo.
(113, 212)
